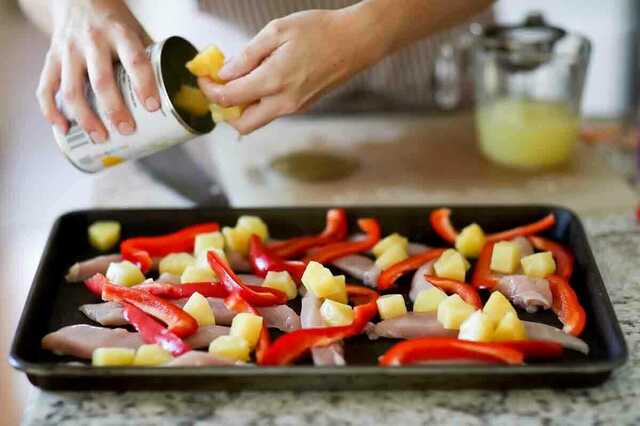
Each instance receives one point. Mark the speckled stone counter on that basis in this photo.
(616, 243)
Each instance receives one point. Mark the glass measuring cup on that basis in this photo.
(528, 86)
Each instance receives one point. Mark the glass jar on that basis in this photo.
(528, 85)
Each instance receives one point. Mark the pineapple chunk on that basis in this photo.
(198, 307)
(505, 257)
(197, 274)
(124, 273)
(233, 348)
(253, 225)
(471, 240)
(207, 63)
(207, 241)
(538, 264)
(452, 265)
(112, 357)
(389, 241)
(281, 281)
(340, 295)
(175, 263)
(192, 100)
(151, 355)
(320, 281)
(221, 114)
(236, 239)
(248, 326)
(335, 314)
(510, 328)
(104, 234)
(477, 327)
(203, 261)
(428, 300)
(497, 307)
(391, 306)
(394, 254)
(453, 311)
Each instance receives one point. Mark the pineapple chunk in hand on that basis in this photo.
(112, 357)
(248, 326)
(498, 306)
(451, 264)
(281, 281)
(471, 240)
(428, 300)
(148, 355)
(478, 327)
(192, 100)
(389, 241)
(221, 114)
(198, 307)
(392, 255)
(335, 314)
(104, 234)
(391, 306)
(175, 263)
(232, 348)
(207, 63)
(510, 328)
(453, 311)
(124, 273)
(505, 257)
(538, 265)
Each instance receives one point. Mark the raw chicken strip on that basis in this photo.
(80, 271)
(416, 248)
(109, 314)
(409, 326)
(168, 278)
(360, 267)
(205, 335)
(527, 292)
(419, 282)
(197, 359)
(310, 317)
(82, 339)
(538, 331)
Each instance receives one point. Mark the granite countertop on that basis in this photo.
(615, 241)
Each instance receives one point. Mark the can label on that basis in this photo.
(154, 130)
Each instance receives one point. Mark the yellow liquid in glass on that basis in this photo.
(527, 134)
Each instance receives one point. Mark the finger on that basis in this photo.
(263, 81)
(135, 61)
(73, 80)
(101, 76)
(258, 115)
(47, 87)
(265, 42)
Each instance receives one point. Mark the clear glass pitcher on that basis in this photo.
(528, 85)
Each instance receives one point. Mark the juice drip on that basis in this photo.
(527, 134)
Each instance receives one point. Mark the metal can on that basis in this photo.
(156, 130)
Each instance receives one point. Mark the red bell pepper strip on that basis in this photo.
(334, 251)
(525, 230)
(180, 323)
(567, 306)
(482, 277)
(141, 249)
(335, 230)
(447, 348)
(234, 284)
(95, 283)
(264, 260)
(152, 331)
(536, 349)
(441, 223)
(390, 275)
(207, 289)
(291, 346)
(236, 303)
(468, 293)
(561, 254)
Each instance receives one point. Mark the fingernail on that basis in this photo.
(226, 72)
(125, 128)
(152, 104)
(97, 137)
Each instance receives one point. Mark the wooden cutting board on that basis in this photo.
(404, 160)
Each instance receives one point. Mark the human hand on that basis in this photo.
(292, 62)
(88, 36)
